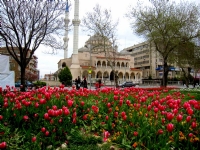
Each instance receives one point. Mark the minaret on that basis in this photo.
(66, 39)
(75, 66)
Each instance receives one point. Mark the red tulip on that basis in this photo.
(46, 116)
(156, 109)
(66, 97)
(95, 109)
(51, 121)
(85, 117)
(194, 124)
(43, 129)
(108, 105)
(42, 101)
(116, 114)
(160, 131)
(36, 105)
(123, 113)
(170, 127)
(66, 112)
(190, 111)
(115, 97)
(1, 117)
(116, 92)
(170, 116)
(70, 103)
(51, 112)
(175, 111)
(25, 117)
(188, 118)
(135, 133)
(163, 120)
(149, 107)
(109, 110)
(124, 117)
(47, 133)
(54, 107)
(74, 121)
(120, 102)
(82, 103)
(2, 145)
(107, 117)
(34, 139)
(179, 118)
(60, 120)
(5, 104)
(128, 102)
(74, 115)
(190, 135)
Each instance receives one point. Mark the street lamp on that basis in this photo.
(90, 71)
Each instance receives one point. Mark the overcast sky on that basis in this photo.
(48, 63)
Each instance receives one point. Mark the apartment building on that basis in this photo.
(147, 59)
(32, 73)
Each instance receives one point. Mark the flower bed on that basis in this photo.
(130, 118)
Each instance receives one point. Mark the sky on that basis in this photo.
(47, 63)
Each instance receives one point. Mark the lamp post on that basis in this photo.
(90, 71)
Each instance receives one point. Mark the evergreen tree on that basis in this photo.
(65, 76)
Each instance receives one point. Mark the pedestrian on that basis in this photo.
(99, 83)
(84, 83)
(78, 83)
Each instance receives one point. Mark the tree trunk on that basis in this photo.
(23, 87)
(165, 74)
(116, 79)
(185, 76)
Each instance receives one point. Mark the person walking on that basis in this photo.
(78, 83)
(99, 83)
(84, 83)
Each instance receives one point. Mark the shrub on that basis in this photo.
(65, 76)
(39, 84)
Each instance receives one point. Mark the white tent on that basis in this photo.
(6, 77)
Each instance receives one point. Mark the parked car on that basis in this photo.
(27, 83)
(127, 84)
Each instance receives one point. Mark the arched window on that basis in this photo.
(64, 65)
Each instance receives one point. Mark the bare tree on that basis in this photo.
(100, 23)
(28, 24)
(166, 24)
